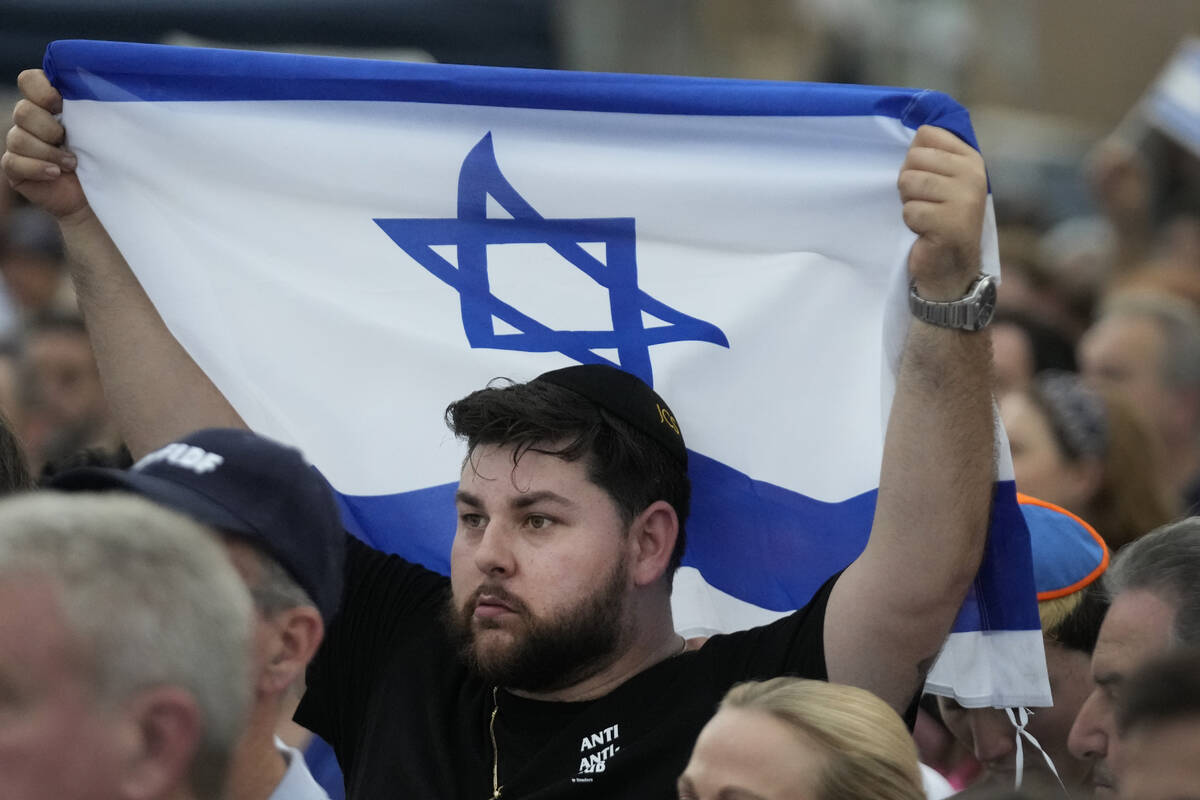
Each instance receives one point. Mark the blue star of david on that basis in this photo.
(472, 232)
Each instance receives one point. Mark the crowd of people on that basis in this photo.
(161, 619)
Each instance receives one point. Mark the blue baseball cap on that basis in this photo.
(248, 486)
(1068, 554)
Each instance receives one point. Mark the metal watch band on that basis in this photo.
(970, 313)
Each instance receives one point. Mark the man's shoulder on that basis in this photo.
(793, 644)
(384, 573)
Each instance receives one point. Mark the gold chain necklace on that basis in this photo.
(496, 787)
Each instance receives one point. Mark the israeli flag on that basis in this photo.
(1173, 103)
(346, 246)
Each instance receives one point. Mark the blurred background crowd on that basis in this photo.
(1096, 192)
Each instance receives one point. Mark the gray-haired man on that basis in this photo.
(281, 529)
(1145, 348)
(124, 652)
(1155, 587)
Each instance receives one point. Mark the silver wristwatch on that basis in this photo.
(969, 313)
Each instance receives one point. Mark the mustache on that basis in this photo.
(497, 593)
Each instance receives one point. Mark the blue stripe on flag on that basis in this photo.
(779, 556)
(1006, 573)
(122, 72)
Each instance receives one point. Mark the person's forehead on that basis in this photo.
(1136, 628)
(34, 592)
(493, 468)
(34, 637)
(59, 339)
(1124, 336)
(756, 752)
(1018, 410)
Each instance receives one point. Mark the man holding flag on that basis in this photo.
(557, 669)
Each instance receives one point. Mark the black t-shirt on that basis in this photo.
(408, 720)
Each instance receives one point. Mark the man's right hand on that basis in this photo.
(35, 161)
(156, 391)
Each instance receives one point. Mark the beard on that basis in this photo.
(545, 654)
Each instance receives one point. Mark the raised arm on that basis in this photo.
(155, 390)
(893, 607)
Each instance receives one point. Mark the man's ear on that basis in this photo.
(297, 635)
(165, 726)
(652, 540)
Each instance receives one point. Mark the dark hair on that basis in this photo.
(1165, 690)
(1048, 346)
(630, 466)
(14, 466)
(1080, 628)
(55, 322)
(1090, 424)
(119, 458)
(1166, 562)
(1074, 411)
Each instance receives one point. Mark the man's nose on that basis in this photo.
(992, 734)
(493, 554)
(1088, 738)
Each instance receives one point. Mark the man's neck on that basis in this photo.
(257, 766)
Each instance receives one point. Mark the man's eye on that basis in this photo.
(538, 522)
(472, 520)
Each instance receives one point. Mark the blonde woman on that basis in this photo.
(794, 739)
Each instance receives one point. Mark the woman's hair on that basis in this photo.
(869, 754)
(1074, 620)
(1132, 498)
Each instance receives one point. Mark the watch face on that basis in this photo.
(987, 302)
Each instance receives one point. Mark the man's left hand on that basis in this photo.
(943, 186)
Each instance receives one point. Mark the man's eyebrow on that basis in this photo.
(467, 499)
(733, 793)
(534, 498)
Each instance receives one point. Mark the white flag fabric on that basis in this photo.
(346, 246)
(1173, 103)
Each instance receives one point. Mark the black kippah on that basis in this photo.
(625, 396)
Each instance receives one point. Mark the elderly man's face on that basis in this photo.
(64, 376)
(55, 740)
(1136, 629)
(1124, 355)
